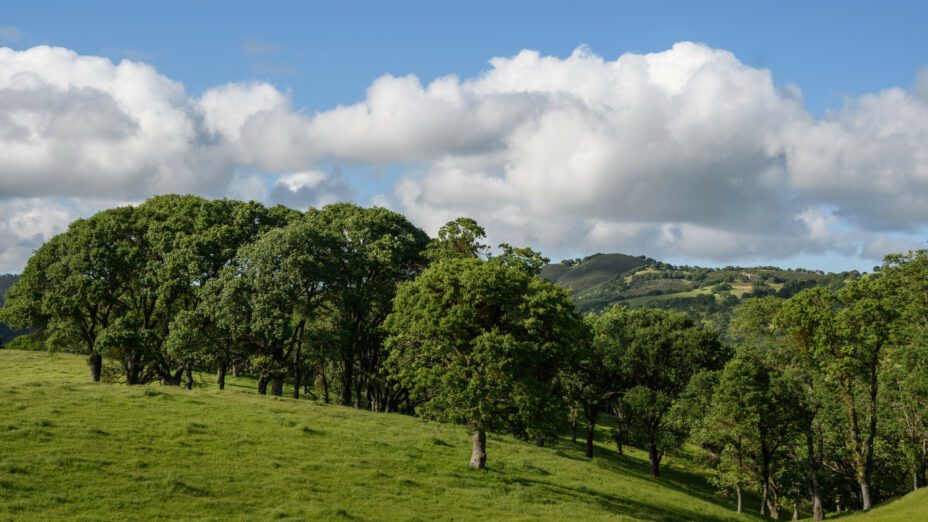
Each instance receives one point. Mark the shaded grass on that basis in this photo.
(913, 506)
(73, 450)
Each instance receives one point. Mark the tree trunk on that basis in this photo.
(262, 385)
(297, 368)
(740, 508)
(865, 495)
(325, 385)
(96, 367)
(221, 376)
(795, 511)
(357, 394)
(573, 430)
(188, 377)
(478, 453)
(347, 382)
(277, 385)
(590, 430)
(818, 510)
(763, 500)
(654, 457)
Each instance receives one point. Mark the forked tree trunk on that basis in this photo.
(478, 453)
(221, 376)
(96, 367)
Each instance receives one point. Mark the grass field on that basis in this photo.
(910, 508)
(73, 450)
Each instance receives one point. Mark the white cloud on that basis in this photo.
(311, 188)
(684, 153)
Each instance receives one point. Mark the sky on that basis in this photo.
(715, 133)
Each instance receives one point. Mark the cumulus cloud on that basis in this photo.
(686, 152)
(310, 188)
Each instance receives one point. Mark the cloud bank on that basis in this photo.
(686, 153)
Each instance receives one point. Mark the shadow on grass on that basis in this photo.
(671, 478)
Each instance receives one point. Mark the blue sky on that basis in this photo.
(324, 54)
(328, 52)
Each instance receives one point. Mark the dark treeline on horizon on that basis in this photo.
(816, 402)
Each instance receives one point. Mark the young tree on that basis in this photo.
(481, 343)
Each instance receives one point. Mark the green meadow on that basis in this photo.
(73, 450)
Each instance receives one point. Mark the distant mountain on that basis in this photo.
(706, 294)
(6, 281)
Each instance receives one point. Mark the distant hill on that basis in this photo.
(580, 275)
(6, 333)
(706, 294)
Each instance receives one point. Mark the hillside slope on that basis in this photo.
(78, 451)
(911, 507)
(708, 295)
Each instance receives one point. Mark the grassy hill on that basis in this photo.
(913, 506)
(707, 294)
(78, 451)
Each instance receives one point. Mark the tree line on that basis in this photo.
(816, 402)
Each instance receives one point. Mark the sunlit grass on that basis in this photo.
(73, 450)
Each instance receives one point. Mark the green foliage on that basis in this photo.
(481, 343)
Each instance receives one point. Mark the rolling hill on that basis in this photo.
(707, 294)
(73, 450)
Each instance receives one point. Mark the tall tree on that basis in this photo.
(269, 293)
(481, 343)
(846, 334)
(375, 250)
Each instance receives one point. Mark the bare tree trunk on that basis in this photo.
(221, 376)
(740, 508)
(478, 454)
(277, 385)
(96, 367)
